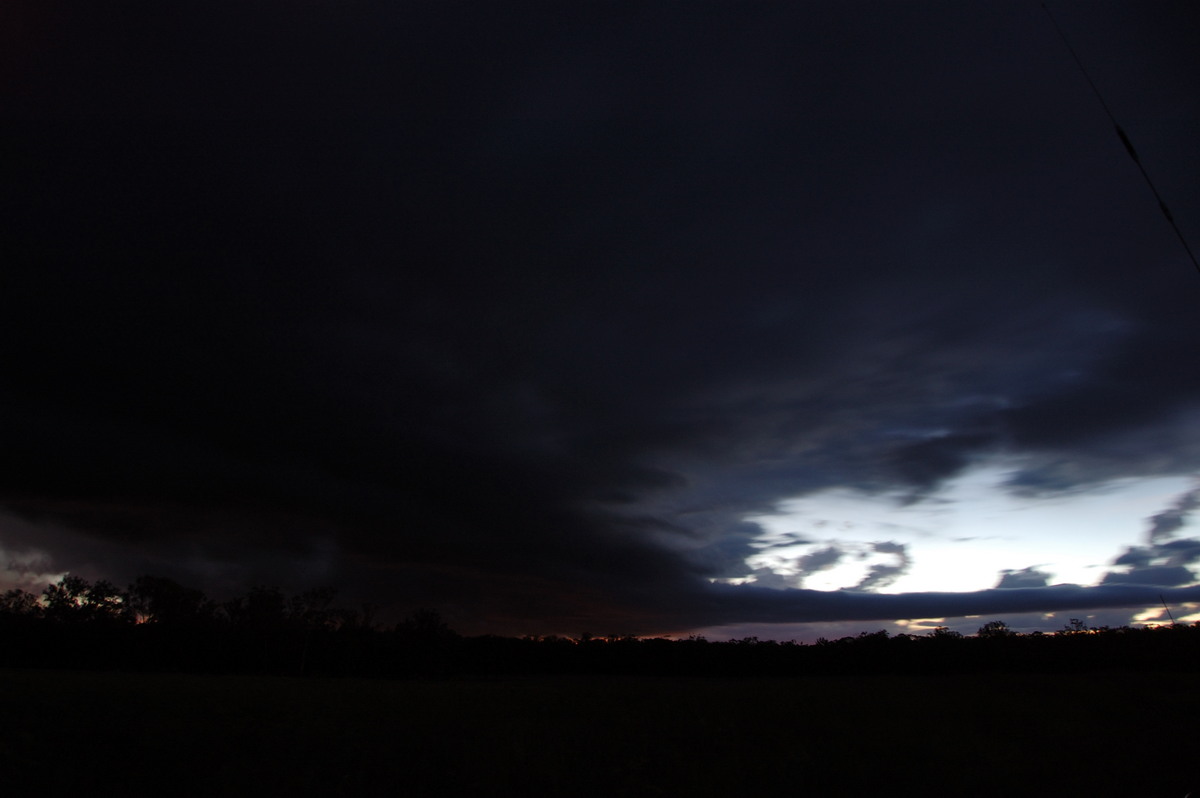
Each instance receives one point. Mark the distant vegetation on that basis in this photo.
(158, 625)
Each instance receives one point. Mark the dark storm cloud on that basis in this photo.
(804, 566)
(925, 464)
(1024, 578)
(522, 309)
(1167, 575)
(1172, 519)
(1176, 552)
(1161, 561)
(819, 560)
(883, 574)
(799, 606)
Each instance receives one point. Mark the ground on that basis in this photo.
(980, 735)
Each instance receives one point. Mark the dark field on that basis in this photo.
(67, 733)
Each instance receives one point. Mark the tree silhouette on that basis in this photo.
(1075, 627)
(425, 626)
(74, 600)
(156, 599)
(17, 603)
(994, 630)
(944, 633)
(158, 624)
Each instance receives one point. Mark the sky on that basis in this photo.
(774, 318)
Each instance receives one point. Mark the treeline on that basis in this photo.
(156, 624)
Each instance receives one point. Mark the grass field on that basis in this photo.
(93, 734)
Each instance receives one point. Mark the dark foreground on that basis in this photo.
(68, 733)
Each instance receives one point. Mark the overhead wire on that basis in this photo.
(1162, 205)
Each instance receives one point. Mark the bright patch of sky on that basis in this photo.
(960, 539)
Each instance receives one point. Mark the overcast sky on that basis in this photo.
(635, 317)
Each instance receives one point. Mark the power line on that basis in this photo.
(1162, 205)
(1168, 609)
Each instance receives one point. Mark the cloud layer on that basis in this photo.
(522, 314)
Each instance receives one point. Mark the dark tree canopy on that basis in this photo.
(157, 624)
